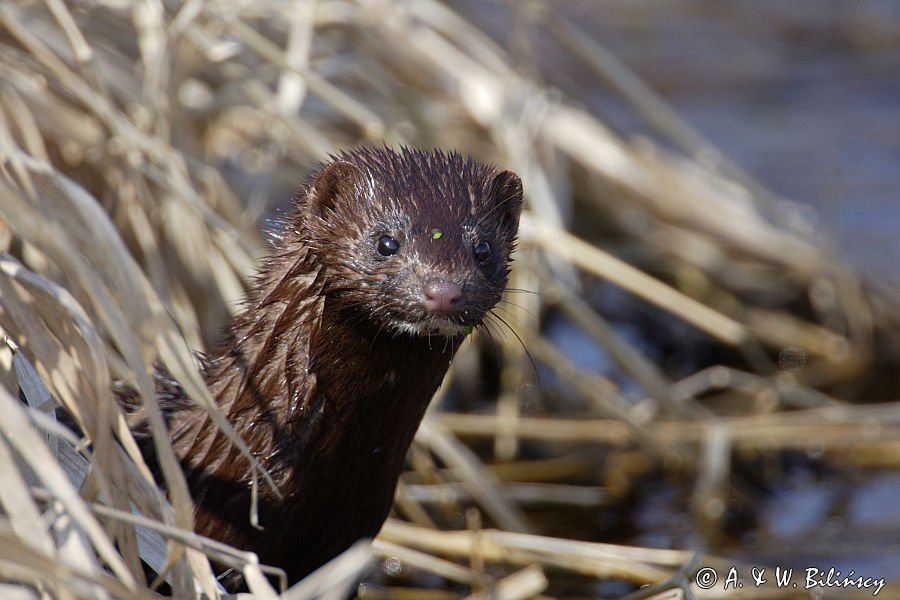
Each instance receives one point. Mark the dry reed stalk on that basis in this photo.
(800, 430)
(526, 583)
(141, 142)
(594, 559)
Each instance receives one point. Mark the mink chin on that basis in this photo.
(387, 262)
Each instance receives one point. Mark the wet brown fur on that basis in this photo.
(329, 370)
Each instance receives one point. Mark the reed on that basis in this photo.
(142, 145)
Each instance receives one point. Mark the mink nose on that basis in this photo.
(442, 296)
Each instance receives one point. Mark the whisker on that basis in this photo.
(525, 348)
(522, 291)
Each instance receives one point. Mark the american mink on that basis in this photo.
(387, 262)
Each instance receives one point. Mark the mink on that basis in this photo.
(387, 262)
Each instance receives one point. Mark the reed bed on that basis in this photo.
(143, 144)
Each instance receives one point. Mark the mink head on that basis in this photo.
(411, 241)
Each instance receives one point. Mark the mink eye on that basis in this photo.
(482, 251)
(388, 246)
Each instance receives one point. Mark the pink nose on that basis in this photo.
(441, 296)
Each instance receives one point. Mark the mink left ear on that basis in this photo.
(336, 182)
(506, 189)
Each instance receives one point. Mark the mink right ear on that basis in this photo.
(335, 180)
(507, 189)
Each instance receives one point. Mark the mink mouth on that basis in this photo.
(444, 326)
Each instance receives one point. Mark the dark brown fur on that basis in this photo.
(329, 370)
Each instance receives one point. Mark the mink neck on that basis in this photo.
(341, 378)
(372, 387)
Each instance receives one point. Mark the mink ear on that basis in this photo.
(507, 190)
(336, 180)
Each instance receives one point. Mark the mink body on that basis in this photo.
(387, 262)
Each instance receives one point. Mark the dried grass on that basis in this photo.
(139, 144)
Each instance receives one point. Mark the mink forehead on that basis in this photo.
(417, 221)
(443, 189)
